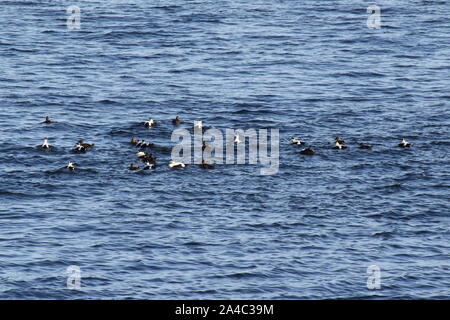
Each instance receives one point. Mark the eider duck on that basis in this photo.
(48, 120)
(148, 166)
(339, 146)
(404, 144)
(237, 140)
(308, 151)
(176, 165)
(140, 143)
(79, 148)
(146, 157)
(134, 141)
(71, 166)
(85, 145)
(177, 121)
(364, 146)
(133, 167)
(206, 165)
(198, 124)
(149, 123)
(45, 144)
(143, 144)
(338, 139)
(296, 141)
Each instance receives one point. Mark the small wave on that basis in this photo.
(383, 234)
(107, 101)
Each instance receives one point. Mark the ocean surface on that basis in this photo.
(311, 69)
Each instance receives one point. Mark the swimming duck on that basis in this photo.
(237, 140)
(149, 123)
(176, 165)
(339, 146)
(198, 124)
(79, 148)
(364, 146)
(133, 167)
(308, 151)
(177, 121)
(143, 144)
(45, 144)
(206, 146)
(85, 145)
(148, 166)
(48, 120)
(146, 157)
(296, 141)
(206, 165)
(134, 141)
(338, 139)
(404, 144)
(71, 166)
(82, 147)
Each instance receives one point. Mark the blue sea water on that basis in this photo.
(311, 69)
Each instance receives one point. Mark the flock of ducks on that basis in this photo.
(341, 144)
(149, 160)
